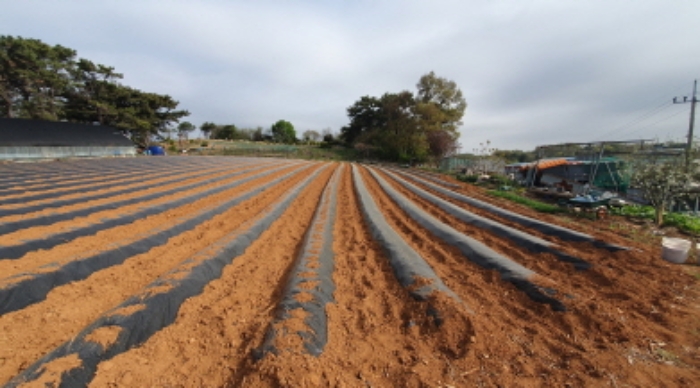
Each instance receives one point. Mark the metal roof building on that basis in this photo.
(37, 139)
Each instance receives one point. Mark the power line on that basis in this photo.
(660, 121)
(621, 129)
(644, 116)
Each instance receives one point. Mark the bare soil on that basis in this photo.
(633, 319)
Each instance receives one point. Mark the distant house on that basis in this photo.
(37, 139)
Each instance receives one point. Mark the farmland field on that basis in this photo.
(222, 271)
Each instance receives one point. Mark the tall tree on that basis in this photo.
(144, 115)
(388, 126)
(226, 132)
(40, 81)
(400, 138)
(33, 75)
(183, 131)
(327, 135)
(207, 128)
(283, 132)
(258, 134)
(441, 102)
(404, 127)
(94, 93)
(365, 115)
(442, 144)
(311, 135)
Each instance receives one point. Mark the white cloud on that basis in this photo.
(532, 72)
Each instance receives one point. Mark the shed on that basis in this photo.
(38, 139)
(603, 173)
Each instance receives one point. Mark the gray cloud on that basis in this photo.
(532, 72)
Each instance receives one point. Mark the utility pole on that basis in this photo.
(693, 101)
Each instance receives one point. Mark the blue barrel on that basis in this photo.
(156, 150)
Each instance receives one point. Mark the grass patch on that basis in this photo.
(633, 211)
(531, 203)
(291, 151)
(466, 178)
(666, 356)
(684, 222)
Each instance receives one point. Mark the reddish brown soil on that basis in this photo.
(632, 319)
(186, 177)
(43, 326)
(85, 246)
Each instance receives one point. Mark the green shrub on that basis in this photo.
(683, 222)
(204, 144)
(500, 180)
(467, 178)
(635, 211)
(531, 203)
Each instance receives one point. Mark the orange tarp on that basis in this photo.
(544, 164)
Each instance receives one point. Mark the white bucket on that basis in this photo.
(675, 250)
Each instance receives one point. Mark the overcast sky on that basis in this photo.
(532, 72)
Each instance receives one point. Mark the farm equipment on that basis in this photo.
(597, 205)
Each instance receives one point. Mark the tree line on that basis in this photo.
(281, 131)
(40, 81)
(45, 82)
(408, 127)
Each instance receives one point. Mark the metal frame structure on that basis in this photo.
(597, 150)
